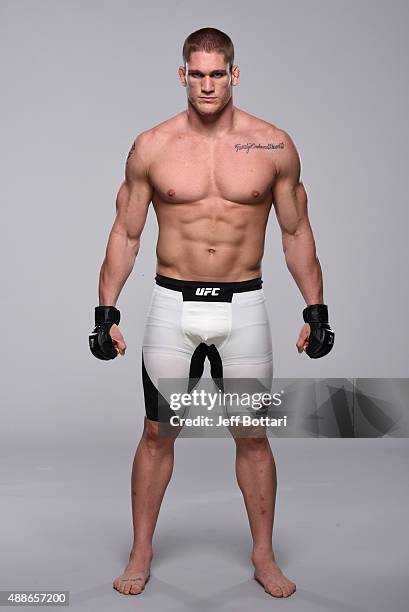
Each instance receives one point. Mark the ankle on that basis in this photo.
(262, 554)
(141, 553)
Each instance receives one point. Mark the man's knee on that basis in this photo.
(253, 446)
(155, 438)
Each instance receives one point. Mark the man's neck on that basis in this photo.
(212, 125)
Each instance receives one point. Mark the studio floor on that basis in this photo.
(340, 533)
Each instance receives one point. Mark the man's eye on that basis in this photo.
(196, 75)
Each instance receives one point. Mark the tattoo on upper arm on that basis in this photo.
(130, 153)
(253, 145)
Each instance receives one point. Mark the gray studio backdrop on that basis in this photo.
(81, 79)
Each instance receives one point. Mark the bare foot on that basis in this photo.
(135, 576)
(272, 579)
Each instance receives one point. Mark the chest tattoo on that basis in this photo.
(253, 145)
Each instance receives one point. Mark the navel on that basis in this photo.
(211, 251)
(255, 193)
(171, 192)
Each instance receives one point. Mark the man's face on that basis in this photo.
(208, 81)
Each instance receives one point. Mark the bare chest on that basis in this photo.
(189, 170)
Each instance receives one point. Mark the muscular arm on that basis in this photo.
(132, 203)
(290, 203)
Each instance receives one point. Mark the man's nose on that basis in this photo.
(207, 85)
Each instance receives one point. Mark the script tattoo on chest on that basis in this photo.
(253, 145)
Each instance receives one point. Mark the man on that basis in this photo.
(212, 173)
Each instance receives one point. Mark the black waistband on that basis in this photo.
(208, 291)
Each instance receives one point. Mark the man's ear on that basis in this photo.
(235, 75)
(182, 75)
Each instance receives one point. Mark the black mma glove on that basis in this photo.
(100, 341)
(321, 339)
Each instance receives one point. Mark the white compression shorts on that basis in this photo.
(187, 321)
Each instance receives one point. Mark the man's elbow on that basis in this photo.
(299, 238)
(133, 241)
(289, 239)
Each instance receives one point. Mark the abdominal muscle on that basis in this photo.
(211, 240)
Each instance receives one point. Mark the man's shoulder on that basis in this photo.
(161, 131)
(255, 128)
(149, 142)
(262, 127)
(248, 122)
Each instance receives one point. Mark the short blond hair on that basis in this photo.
(209, 39)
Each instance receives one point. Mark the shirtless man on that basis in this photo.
(212, 173)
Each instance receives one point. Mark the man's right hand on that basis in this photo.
(118, 339)
(106, 341)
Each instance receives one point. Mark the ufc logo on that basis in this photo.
(207, 291)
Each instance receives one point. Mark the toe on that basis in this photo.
(119, 584)
(136, 588)
(276, 591)
(127, 587)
